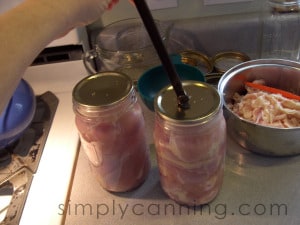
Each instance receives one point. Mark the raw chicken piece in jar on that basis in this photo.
(112, 130)
(191, 145)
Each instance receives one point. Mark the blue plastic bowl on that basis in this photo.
(154, 79)
(17, 115)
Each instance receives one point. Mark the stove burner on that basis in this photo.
(19, 161)
(5, 159)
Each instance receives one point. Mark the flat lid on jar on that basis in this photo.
(204, 103)
(102, 89)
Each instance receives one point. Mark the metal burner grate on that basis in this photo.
(19, 161)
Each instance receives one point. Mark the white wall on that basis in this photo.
(186, 9)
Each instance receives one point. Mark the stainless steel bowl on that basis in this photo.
(282, 74)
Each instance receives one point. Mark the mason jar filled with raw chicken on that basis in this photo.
(190, 143)
(112, 130)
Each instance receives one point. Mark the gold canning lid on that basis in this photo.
(284, 6)
(205, 103)
(223, 61)
(197, 59)
(99, 91)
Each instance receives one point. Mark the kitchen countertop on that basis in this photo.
(51, 182)
(256, 190)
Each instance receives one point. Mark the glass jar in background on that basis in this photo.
(124, 46)
(112, 130)
(280, 30)
(190, 144)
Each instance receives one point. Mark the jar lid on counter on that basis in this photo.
(282, 6)
(197, 59)
(204, 103)
(223, 61)
(101, 90)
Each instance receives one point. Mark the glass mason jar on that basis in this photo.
(280, 29)
(190, 144)
(124, 46)
(112, 130)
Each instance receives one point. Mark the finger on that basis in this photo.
(112, 3)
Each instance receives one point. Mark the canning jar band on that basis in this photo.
(169, 124)
(93, 112)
